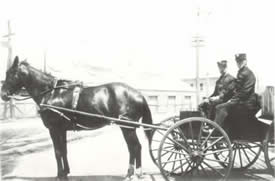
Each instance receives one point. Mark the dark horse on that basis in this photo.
(113, 100)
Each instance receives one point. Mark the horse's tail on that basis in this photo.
(147, 119)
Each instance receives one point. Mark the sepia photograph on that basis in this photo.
(137, 90)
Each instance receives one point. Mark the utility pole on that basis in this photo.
(45, 61)
(9, 63)
(197, 43)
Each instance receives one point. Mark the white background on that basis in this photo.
(146, 35)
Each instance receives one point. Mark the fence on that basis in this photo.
(175, 108)
(18, 109)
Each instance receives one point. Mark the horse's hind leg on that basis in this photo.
(134, 149)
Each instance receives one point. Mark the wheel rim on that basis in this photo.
(245, 154)
(157, 135)
(192, 154)
(269, 150)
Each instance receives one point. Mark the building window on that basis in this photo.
(201, 86)
(153, 103)
(171, 100)
(187, 103)
(187, 97)
(171, 104)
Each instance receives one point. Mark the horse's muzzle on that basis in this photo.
(5, 96)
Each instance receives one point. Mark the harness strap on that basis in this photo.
(76, 93)
(54, 86)
(51, 95)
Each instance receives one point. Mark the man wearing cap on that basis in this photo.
(244, 93)
(222, 93)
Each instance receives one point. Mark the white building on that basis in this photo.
(165, 95)
(207, 85)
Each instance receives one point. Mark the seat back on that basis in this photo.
(267, 103)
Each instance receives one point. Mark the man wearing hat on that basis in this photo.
(222, 93)
(244, 93)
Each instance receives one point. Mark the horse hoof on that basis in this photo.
(130, 178)
(62, 177)
(127, 178)
(139, 173)
(134, 178)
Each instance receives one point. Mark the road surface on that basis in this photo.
(100, 155)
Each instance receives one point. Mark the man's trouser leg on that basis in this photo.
(222, 112)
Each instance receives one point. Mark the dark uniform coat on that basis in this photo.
(245, 89)
(224, 87)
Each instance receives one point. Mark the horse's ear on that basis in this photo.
(15, 62)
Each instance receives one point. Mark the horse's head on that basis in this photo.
(14, 79)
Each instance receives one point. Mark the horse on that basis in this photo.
(112, 100)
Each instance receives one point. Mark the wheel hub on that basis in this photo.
(196, 156)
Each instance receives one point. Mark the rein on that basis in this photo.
(19, 98)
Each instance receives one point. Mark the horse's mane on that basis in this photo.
(26, 63)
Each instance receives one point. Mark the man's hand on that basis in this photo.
(213, 99)
(206, 100)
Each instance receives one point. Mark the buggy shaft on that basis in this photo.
(104, 117)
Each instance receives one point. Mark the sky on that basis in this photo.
(141, 36)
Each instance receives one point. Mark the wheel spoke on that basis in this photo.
(156, 141)
(156, 149)
(252, 150)
(166, 152)
(213, 143)
(176, 152)
(218, 152)
(234, 156)
(247, 157)
(165, 163)
(191, 130)
(170, 161)
(240, 156)
(181, 166)
(183, 136)
(199, 137)
(207, 138)
(183, 147)
(186, 170)
(246, 146)
(253, 154)
(181, 163)
(200, 165)
(174, 161)
(163, 135)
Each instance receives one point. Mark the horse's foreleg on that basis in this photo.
(55, 135)
(64, 152)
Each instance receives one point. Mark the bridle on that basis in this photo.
(43, 93)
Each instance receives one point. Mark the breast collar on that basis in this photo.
(52, 92)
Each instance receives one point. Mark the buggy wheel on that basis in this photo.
(157, 135)
(269, 150)
(192, 154)
(245, 154)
